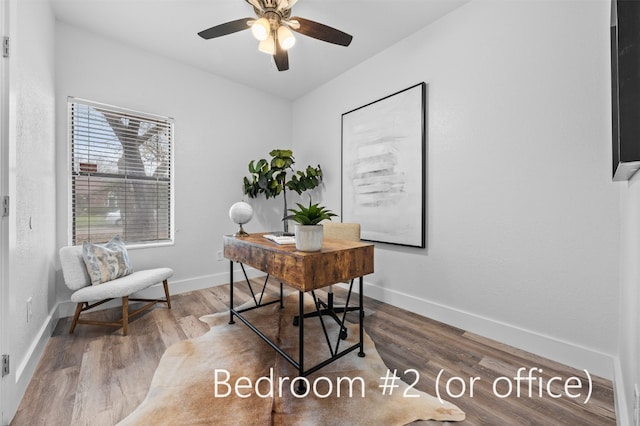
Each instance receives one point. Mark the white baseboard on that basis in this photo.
(582, 358)
(621, 399)
(27, 365)
(199, 283)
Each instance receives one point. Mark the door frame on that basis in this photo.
(4, 221)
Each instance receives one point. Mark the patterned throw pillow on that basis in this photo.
(106, 262)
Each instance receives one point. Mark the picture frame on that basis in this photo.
(384, 168)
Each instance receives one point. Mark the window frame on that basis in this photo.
(70, 170)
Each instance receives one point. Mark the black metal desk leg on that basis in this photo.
(231, 321)
(281, 300)
(301, 388)
(361, 354)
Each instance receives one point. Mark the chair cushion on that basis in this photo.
(73, 267)
(123, 286)
(106, 262)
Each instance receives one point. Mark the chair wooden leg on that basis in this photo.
(75, 318)
(125, 315)
(166, 293)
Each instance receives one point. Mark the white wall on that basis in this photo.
(219, 126)
(32, 190)
(522, 223)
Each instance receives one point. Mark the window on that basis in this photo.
(121, 174)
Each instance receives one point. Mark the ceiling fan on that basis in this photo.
(273, 26)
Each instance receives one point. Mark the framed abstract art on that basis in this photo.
(384, 167)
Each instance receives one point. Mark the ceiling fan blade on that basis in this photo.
(321, 32)
(255, 3)
(293, 24)
(226, 28)
(286, 4)
(281, 58)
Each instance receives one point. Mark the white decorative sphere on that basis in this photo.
(241, 212)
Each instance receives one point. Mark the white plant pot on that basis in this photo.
(308, 237)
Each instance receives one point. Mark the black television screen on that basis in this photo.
(625, 87)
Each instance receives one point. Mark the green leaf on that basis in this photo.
(270, 179)
(311, 215)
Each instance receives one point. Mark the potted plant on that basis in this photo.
(308, 229)
(270, 178)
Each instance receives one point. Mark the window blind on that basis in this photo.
(121, 174)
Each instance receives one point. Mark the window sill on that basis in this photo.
(136, 246)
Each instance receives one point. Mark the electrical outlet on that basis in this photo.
(219, 255)
(29, 308)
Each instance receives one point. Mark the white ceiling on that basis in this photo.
(169, 28)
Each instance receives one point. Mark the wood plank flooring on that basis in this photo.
(96, 376)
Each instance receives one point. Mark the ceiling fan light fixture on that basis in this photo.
(261, 29)
(268, 45)
(285, 37)
(273, 28)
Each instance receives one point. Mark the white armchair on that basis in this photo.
(88, 296)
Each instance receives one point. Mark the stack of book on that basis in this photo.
(281, 238)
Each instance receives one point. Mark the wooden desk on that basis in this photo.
(337, 261)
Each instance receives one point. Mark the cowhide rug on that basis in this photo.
(183, 390)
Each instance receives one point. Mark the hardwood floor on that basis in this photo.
(96, 376)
